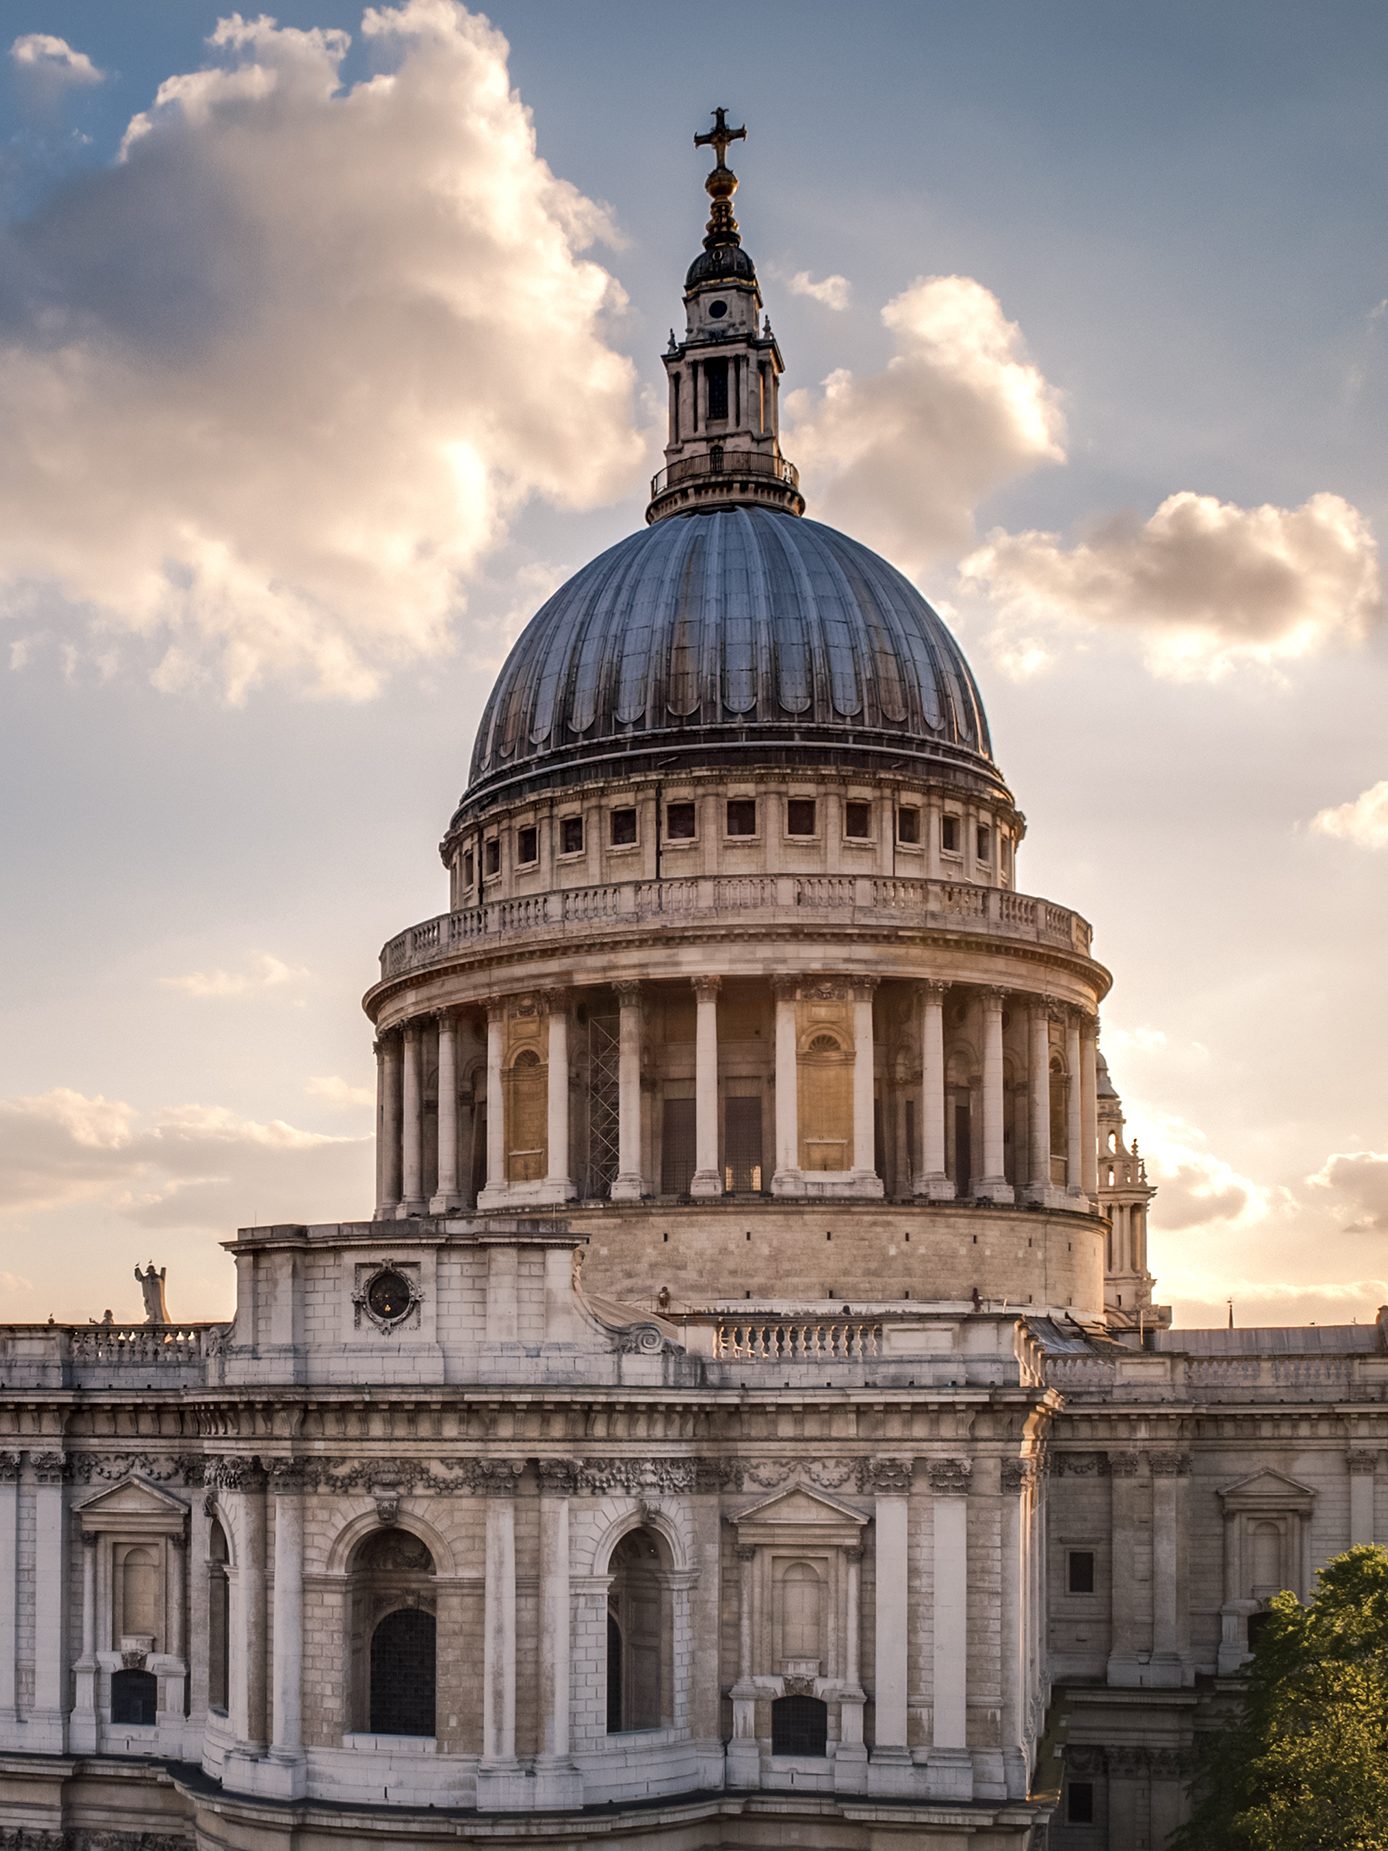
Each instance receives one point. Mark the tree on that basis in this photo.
(1304, 1766)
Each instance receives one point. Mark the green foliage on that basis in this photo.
(1305, 1766)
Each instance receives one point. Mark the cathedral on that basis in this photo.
(742, 1418)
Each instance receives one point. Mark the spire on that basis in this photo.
(724, 444)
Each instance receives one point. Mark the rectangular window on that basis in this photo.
(527, 845)
(949, 835)
(469, 871)
(679, 822)
(742, 816)
(716, 372)
(571, 835)
(984, 842)
(677, 1147)
(857, 821)
(1079, 1802)
(1079, 1571)
(908, 824)
(623, 828)
(800, 816)
(492, 853)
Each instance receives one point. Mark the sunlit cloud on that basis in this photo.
(262, 971)
(1205, 587)
(276, 384)
(333, 1090)
(1359, 1181)
(53, 60)
(831, 292)
(903, 457)
(1363, 820)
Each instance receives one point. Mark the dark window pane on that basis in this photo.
(493, 853)
(677, 1147)
(949, 835)
(800, 816)
(717, 373)
(402, 1673)
(469, 870)
(985, 843)
(799, 1726)
(134, 1697)
(527, 845)
(623, 827)
(679, 822)
(908, 825)
(742, 816)
(571, 835)
(742, 1159)
(857, 821)
(1079, 1803)
(1080, 1571)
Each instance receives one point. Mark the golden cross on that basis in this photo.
(720, 135)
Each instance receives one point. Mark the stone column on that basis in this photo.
(412, 1181)
(1170, 1475)
(287, 1743)
(993, 1184)
(1362, 1464)
(499, 1637)
(1039, 1100)
(744, 1751)
(495, 1193)
(1015, 1476)
(1089, 1107)
(890, 1771)
(557, 1781)
(708, 1178)
(931, 1179)
(388, 1126)
(866, 1181)
(1074, 1121)
(86, 1673)
(1130, 1621)
(247, 1647)
(447, 1195)
(559, 1184)
(9, 1596)
(629, 1185)
(786, 1177)
(950, 1769)
(47, 1727)
(850, 1760)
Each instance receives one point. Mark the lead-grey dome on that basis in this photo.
(734, 635)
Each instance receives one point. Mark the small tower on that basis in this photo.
(724, 442)
(1124, 1193)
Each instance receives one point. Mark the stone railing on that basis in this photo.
(721, 461)
(797, 1340)
(171, 1345)
(804, 899)
(1171, 1375)
(62, 1355)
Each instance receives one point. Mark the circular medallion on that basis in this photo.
(716, 310)
(389, 1296)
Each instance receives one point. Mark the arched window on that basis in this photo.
(526, 1118)
(134, 1697)
(1060, 1111)
(799, 1726)
(393, 1635)
(825, 1088)
(139, 1593)
(218, 1617)
(639, 1620)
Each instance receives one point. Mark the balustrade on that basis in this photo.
(798, 1340)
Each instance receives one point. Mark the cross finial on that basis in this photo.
(720, 136)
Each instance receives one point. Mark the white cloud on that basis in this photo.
(1196, 1187)
(1359, 1178)
(831, 292)
(54, 60)
(275, 385)
(335, 1091)
(1206, 586)
(1363, 820)
(183, 1167)
(903, 457)
(263, 971)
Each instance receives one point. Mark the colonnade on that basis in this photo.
(401, 1055)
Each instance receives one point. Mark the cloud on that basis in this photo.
(263, 972)
(831, 292)
(1201, 1299)
(1206, 586)
(54, 60)
(188, 1167)
(335, 1091)
(1196, 1187)
(904, 456)
(275, 384)
(1363, 820)
(1359, 1179)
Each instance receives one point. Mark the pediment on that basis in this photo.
(801, 1506)
(1268, 1487)
(133, 1501)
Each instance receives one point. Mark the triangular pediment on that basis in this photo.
(1267, 1486)
(803, 1506)
(133, 1497)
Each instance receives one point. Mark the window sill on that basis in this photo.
(364, 1744)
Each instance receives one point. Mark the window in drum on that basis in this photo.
(908, 825)
(677, 1156)
(799, 1726)
(1079, 1571)
(857, 822)
(1079, 1802)
(527, 1124)
(639, 1617)
(949, 835)
(716, 374)
(492, 853)
(571, 835)
(679, 822)
(218, 1618)
(622, 828)
(801, 816)
(134, 1698)
(469, 870)
(527, 845)
(742, 1152)
(402, 1673)
(983, 842)
(742, 816)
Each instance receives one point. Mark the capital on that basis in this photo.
(993, 996)
(558, 1477)
(1361, 1459)
(1123, 1465)
(746, 1553)
(931, 990)
(628, 992)
(706, 986)
(496, 1009)
(949, 1477)
(1017, 1474)
(785, 989)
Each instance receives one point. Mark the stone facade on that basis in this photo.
(742, 1415)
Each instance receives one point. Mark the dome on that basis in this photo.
(731, 635)
(724, 263)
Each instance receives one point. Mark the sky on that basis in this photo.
(329, 345)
